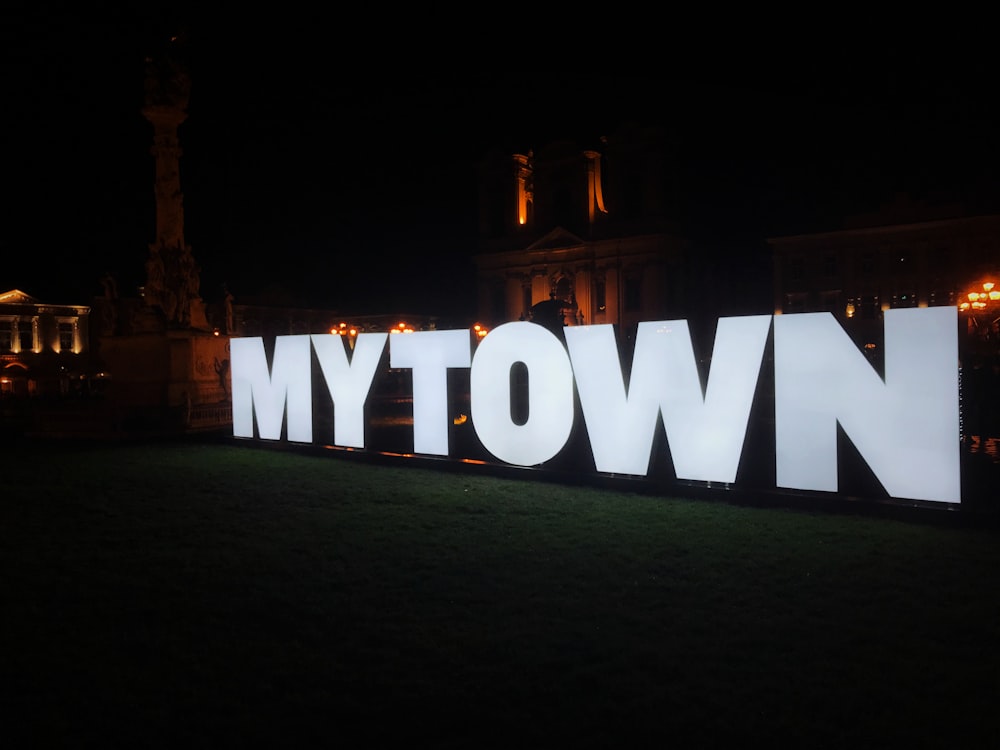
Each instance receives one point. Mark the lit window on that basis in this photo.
(26, 336)
(65, 337)
(6, 335)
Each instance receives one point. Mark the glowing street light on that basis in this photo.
(344, 330)
(980, 299)
(982, 308)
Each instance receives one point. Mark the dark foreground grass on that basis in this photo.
(196, 595)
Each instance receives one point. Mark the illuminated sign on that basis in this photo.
(904, 424)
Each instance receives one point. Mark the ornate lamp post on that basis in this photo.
(982, 309)
(980, 355)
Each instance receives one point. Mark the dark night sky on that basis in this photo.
(341, 172)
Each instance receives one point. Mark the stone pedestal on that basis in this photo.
(169, 381)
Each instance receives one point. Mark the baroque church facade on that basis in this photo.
(578, 233)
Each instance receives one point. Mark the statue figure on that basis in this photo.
(167, 81)
(178, 285)
(222, 370)
(168, 303)
(110, 286)
(227, 300)
(154, 289)
(109, 316)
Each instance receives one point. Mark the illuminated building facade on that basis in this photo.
(859, 272)
(43, 347)
(578, 233)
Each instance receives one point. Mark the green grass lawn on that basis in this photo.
(184, 594)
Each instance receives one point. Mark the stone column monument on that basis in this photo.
(172, 275)
(169, 368)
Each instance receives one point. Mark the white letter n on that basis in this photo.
(905, 428)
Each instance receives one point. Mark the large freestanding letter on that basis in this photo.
(430, 354)
(705, 433)
(550, 394)
(906, 428)
(349, 382)
(254, 390)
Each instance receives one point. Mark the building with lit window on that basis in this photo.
(576, 233)
(43, 347)
(871, 266)
(859, 272)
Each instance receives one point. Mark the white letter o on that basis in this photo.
(550, 393)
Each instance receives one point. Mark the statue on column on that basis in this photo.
(108, 303)
(172, 275)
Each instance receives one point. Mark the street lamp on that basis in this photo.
(349, 332)
(983, 309)
(980, 300)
